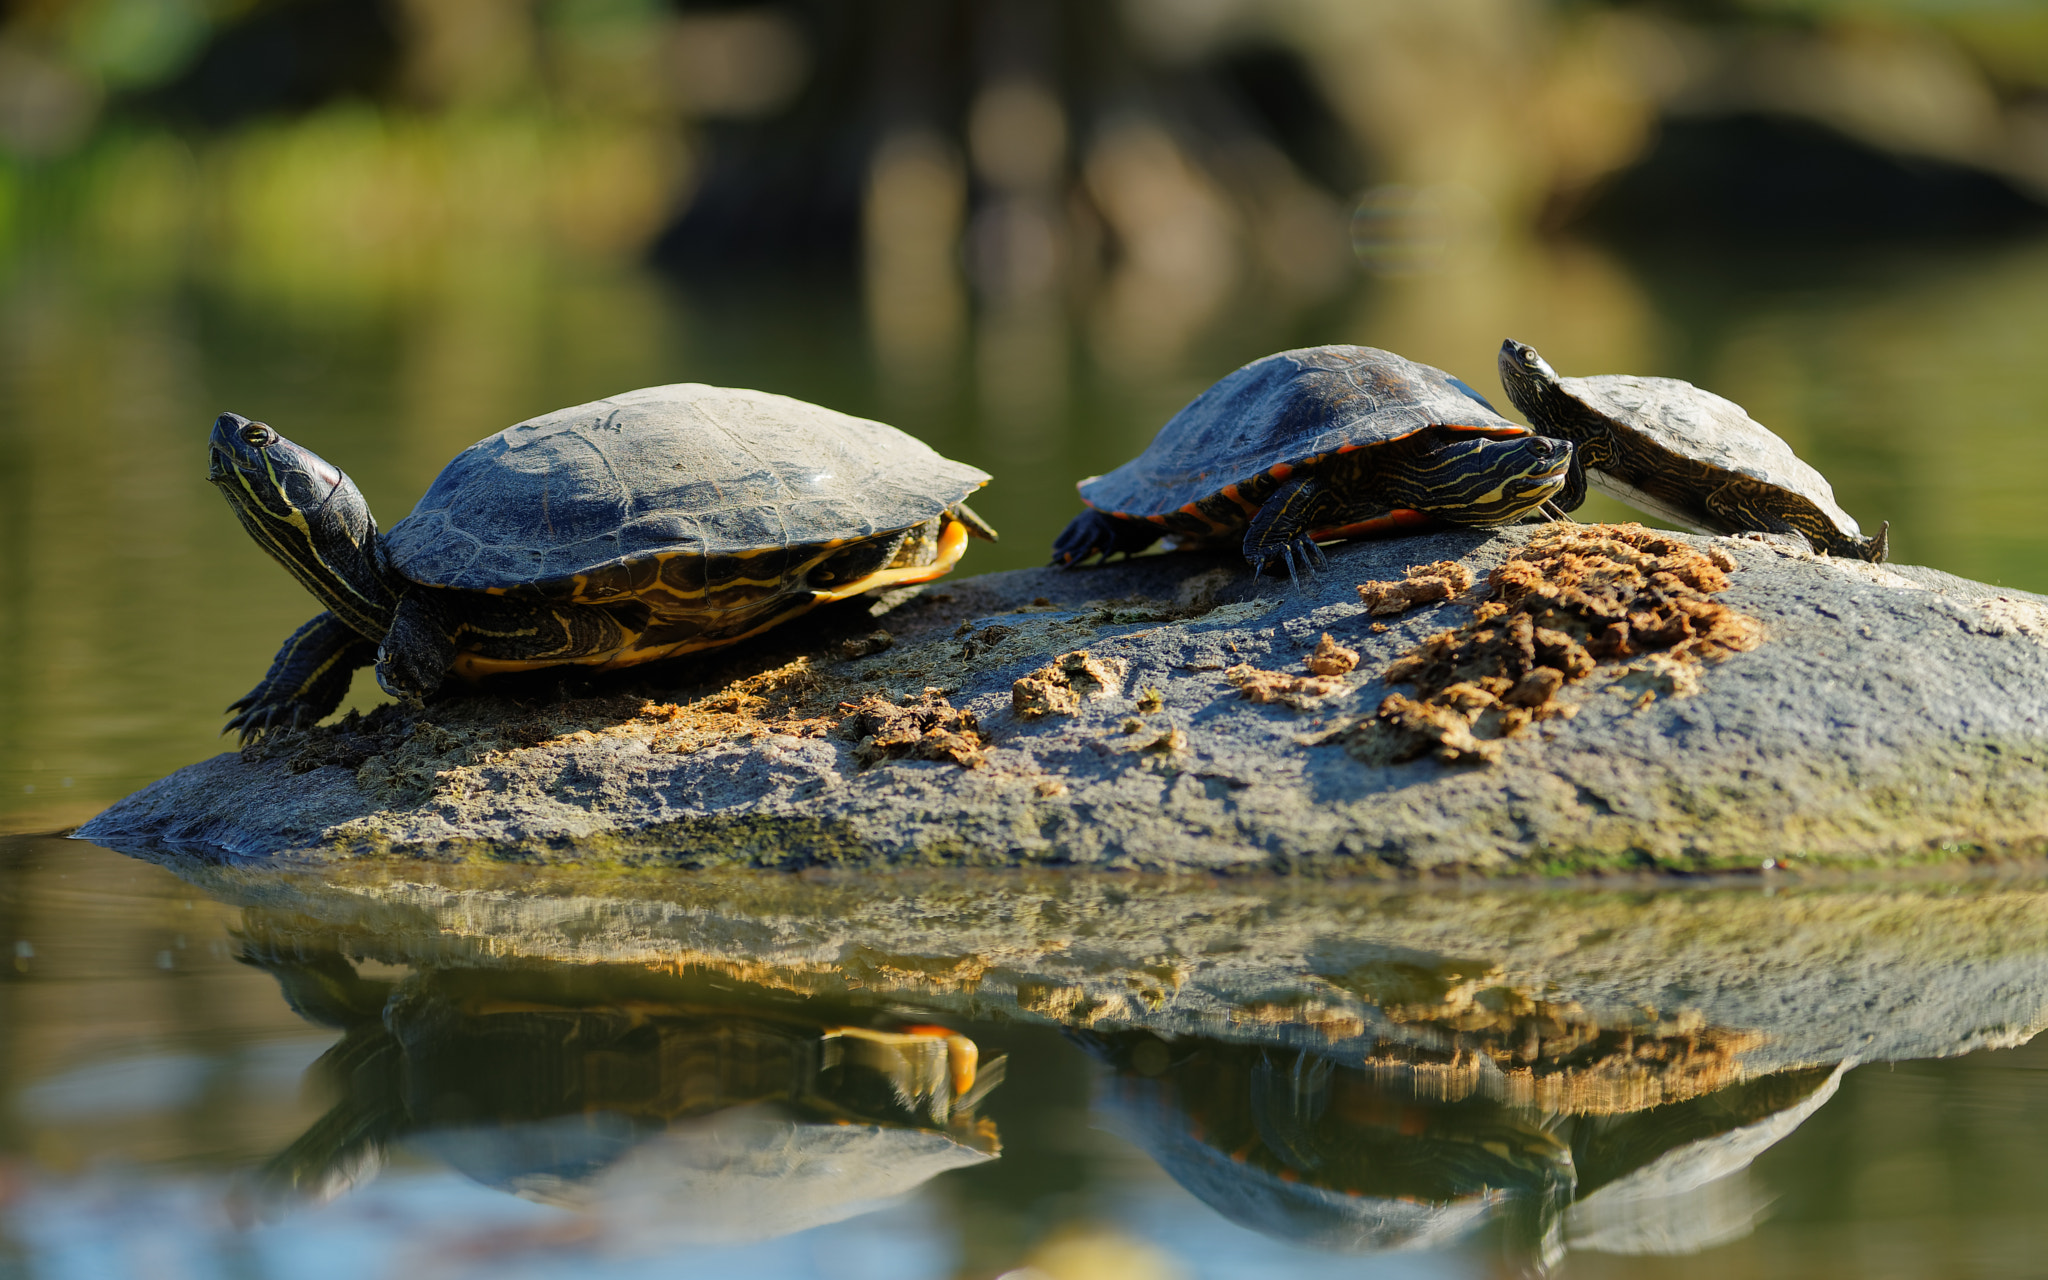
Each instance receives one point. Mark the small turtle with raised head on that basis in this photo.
(1315, 445)
(647, 525)
(1686, 455)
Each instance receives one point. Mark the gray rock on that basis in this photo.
(1891, 713)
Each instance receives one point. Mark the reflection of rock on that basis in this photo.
(1491, 992)
(1591, 1069)
(1464, 1033)
(1338, 1157)
(1877, 719)
(668, 1109)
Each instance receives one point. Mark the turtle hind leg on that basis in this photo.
(306, 681)
(1098, 533)
(1280, 530)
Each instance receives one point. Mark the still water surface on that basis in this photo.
(203, 1080)
(197, 1082)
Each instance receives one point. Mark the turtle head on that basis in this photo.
(1484, 481)
(307, 514)
(261, 471)
(1529, 381)
(1519, 359)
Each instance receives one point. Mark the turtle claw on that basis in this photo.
(1311, 559)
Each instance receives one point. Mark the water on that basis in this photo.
(192, 1060)
(218, 1074)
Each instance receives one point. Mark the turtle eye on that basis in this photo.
(257, 435)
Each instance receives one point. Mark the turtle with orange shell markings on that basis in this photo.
(1314, 445)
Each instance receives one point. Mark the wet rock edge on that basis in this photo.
(1893, 714)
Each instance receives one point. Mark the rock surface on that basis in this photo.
(1157, 714)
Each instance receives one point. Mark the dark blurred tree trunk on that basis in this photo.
(785, 192)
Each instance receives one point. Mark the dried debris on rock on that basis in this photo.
(1330, 658)
(1573, 598)
(1255, 684)
(862, 646)
(770, 702)
(980, 642)
(924, 727)
(1327, 667)
(1058, 687)
(1425, 584)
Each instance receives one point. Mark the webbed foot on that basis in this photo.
(1095, 533)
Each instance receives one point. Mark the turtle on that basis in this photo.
(646, 525)
(1686, 455)
(1313, 445)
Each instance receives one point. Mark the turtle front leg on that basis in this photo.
(1573, 495)
(307, 680)
(1281, 527)
(418, 649)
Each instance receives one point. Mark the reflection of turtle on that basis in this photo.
(1306, 1149)
(1660, 1181)
(650, 524)
(1300, 1148)
(625, 1095)
(1312, 445)
(1668, 448)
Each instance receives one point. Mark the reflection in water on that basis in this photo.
(1499, 1076)
(668, 1110)
(1300, 1147)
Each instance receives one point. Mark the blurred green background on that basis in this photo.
(1024, 230)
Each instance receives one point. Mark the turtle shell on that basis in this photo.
(1701, 426)
(1285, 412)
(566, 504)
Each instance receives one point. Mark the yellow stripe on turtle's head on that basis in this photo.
(1481, 481)
(308, 515)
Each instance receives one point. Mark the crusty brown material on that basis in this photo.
(1059, 686)
(1330, 658)
(926, 727)
(1573, 598)
(1425, 584)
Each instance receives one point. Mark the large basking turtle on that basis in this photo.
(1687, 455)
(643, 526)
(1313, 445)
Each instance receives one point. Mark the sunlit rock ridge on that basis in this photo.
(1597, 697)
